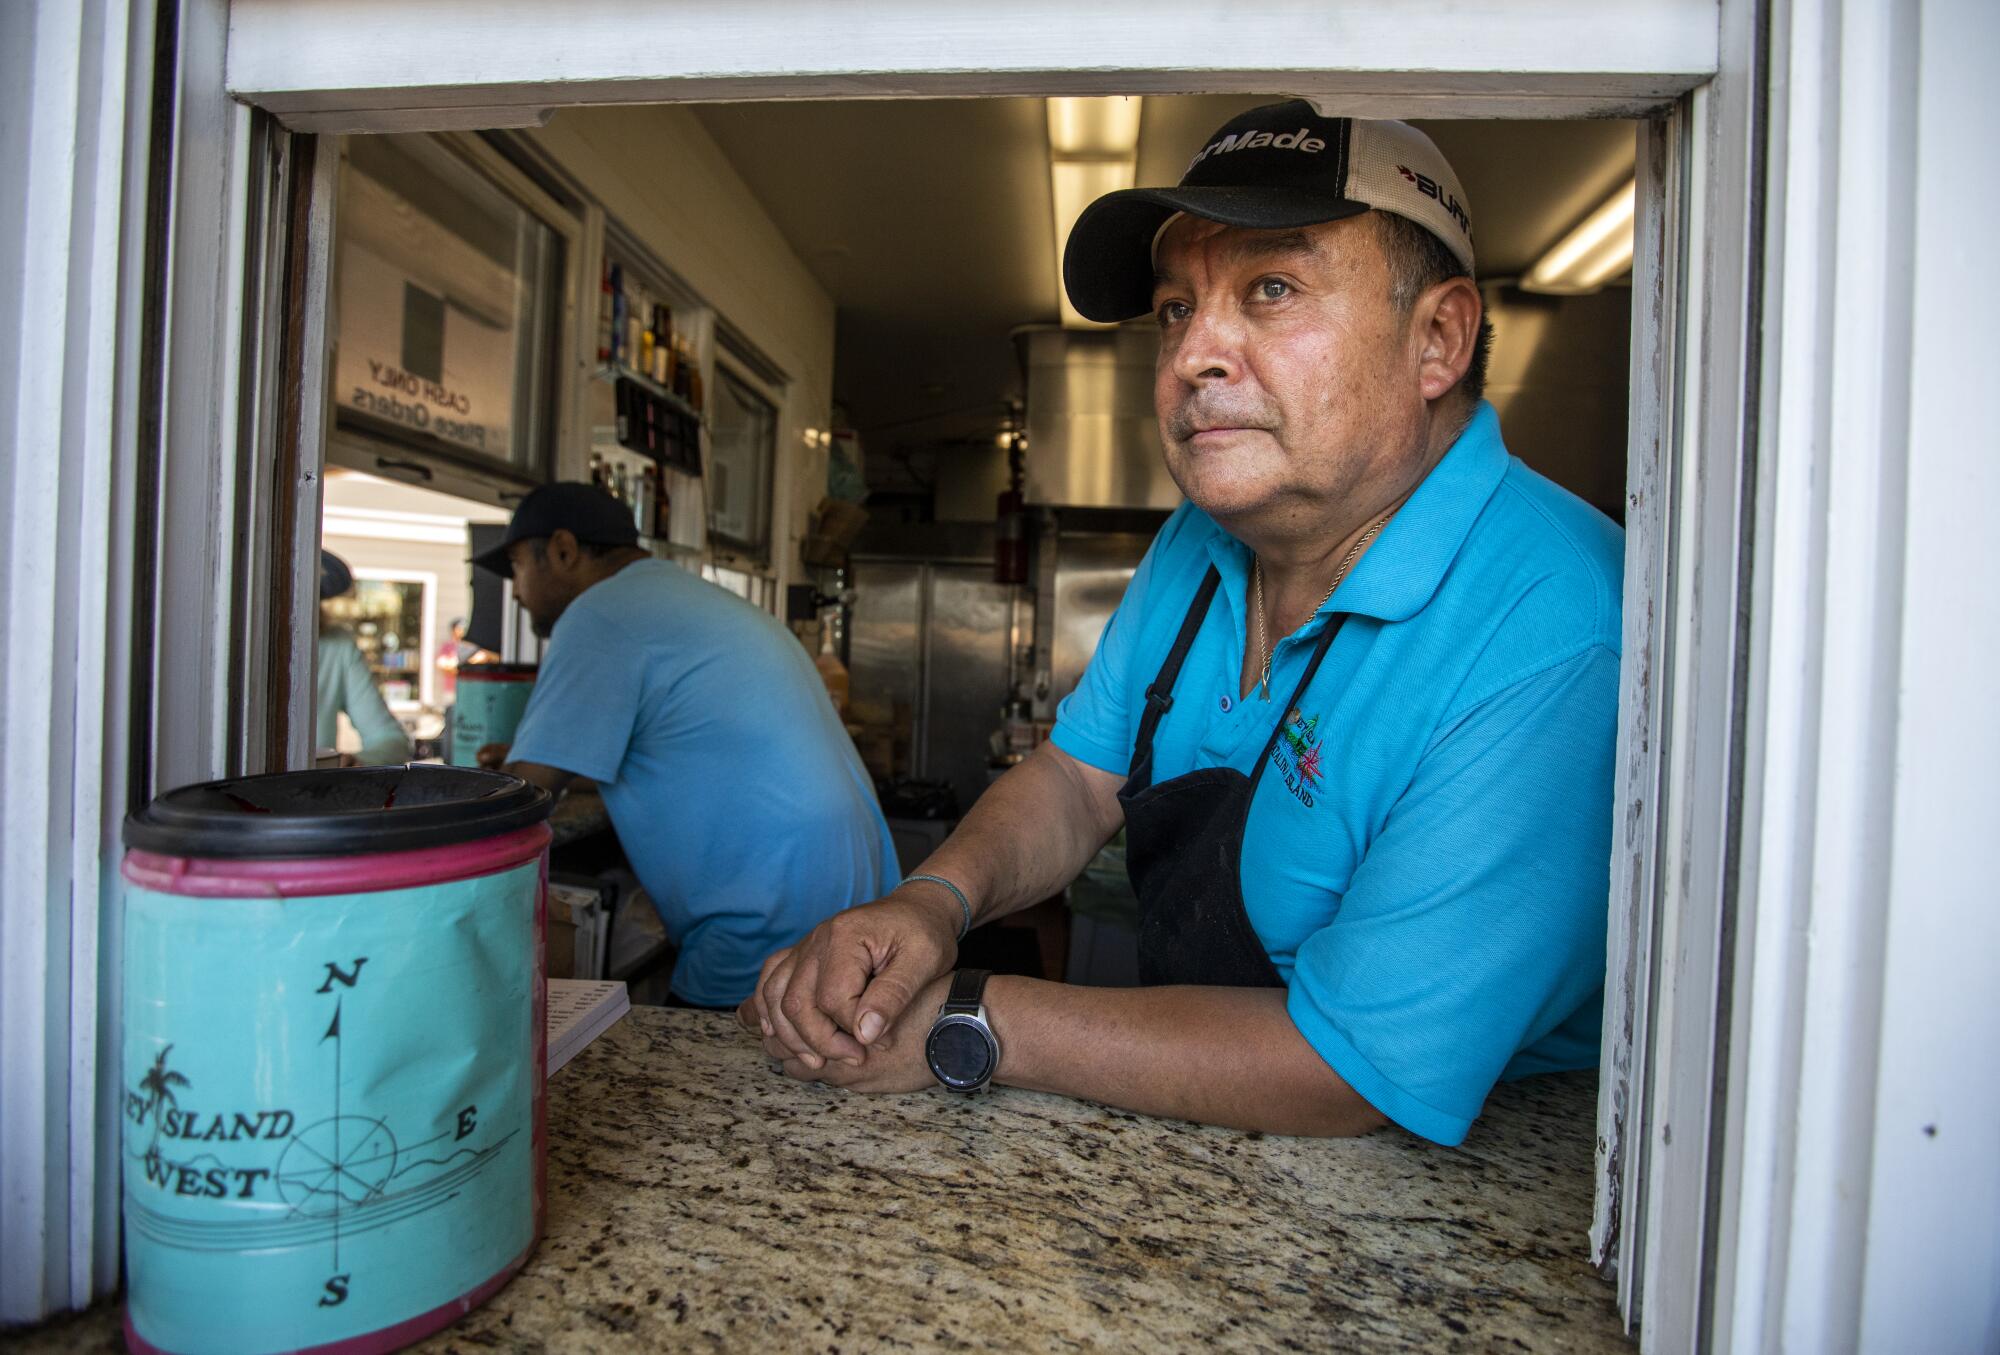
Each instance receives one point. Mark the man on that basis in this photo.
(344, 686)
(1356, 711)
(734, 790)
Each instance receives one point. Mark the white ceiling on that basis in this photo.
(928, 222)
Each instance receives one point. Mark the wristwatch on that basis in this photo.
(961, 1049)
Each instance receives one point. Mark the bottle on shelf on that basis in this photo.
(618, 352)
(832, 671)
(647, 343)
(604, 314)
(663, 505)
(635, 325)
(683, 368)
(663, 343)
(642, 501)
(597, 469)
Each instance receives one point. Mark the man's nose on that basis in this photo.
(1210, 346)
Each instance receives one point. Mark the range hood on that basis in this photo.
(1093, 441)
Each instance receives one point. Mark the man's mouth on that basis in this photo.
(1219, 432)
(1214, 425)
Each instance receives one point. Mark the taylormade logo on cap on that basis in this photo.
(1301, 140)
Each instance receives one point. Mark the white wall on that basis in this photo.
(663, 178)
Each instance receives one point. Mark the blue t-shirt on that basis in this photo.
(1427, 860)
(736, 793)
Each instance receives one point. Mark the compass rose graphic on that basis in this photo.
(348, 1158)
(344, 1176)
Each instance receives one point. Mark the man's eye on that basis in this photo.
(1172, 313)
(1273, 289)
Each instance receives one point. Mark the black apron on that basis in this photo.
(1184, 840)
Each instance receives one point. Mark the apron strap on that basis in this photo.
(1333, 626)
(1160, 694)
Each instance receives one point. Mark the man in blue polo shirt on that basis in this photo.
(735, 791)
(1356, 711)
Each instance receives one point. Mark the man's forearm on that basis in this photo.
(554, 780)
(1227, 1056)
(1030, 834)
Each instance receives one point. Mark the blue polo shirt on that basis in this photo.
(1427, 859)
(736, 793)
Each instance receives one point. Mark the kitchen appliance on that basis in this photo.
(1093, 438)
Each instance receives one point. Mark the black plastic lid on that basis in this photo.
(343, 811)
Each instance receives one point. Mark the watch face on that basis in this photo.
(960, 1052)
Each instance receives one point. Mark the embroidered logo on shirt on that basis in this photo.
(1297, 755)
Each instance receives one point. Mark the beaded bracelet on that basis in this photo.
(956, 893)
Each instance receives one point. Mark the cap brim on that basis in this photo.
(495, 561)
(1108, 264)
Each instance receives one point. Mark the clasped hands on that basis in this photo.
(850, 1004)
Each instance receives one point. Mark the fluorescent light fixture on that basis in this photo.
(1106, 127)
(1591, 255)
(1093, 150)
(1077, 184)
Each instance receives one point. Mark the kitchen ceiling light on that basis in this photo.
(1093, 150)
(1591, 255)
(1108, 127)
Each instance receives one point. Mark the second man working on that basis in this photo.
(734, 789)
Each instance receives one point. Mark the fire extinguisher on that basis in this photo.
(1010, 524)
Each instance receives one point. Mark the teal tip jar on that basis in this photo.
(491, 700)
(333, 1056)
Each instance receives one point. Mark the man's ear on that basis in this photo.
(563, 552)
(1448, 318)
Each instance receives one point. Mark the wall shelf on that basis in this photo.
(612, 371)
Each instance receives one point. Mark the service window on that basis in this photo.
(449, 299)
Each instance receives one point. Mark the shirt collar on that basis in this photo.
(1402, 570)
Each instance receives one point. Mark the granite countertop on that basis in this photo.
(697, 1200)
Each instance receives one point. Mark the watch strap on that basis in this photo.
(968, 988)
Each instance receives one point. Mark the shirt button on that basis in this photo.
(1226, 703)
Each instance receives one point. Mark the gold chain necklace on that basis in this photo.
(1347, 563)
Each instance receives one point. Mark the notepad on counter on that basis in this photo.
(580, 1010)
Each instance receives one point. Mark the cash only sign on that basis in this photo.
(427, 406)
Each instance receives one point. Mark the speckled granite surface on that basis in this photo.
(698, 1201)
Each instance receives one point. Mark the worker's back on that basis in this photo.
(734, 788)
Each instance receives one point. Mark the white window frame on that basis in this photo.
(1774, 432)
(1686, 433)
(312, 67)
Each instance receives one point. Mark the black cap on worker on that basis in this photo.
(335, 577)
(584, 511)
(1278, 167)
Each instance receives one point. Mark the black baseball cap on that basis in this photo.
(1278, 167)
(585, 511)
(335, 577)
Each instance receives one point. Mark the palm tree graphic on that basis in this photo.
(157, 1087)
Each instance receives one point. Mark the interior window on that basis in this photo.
(743, 442)
(448, 293)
